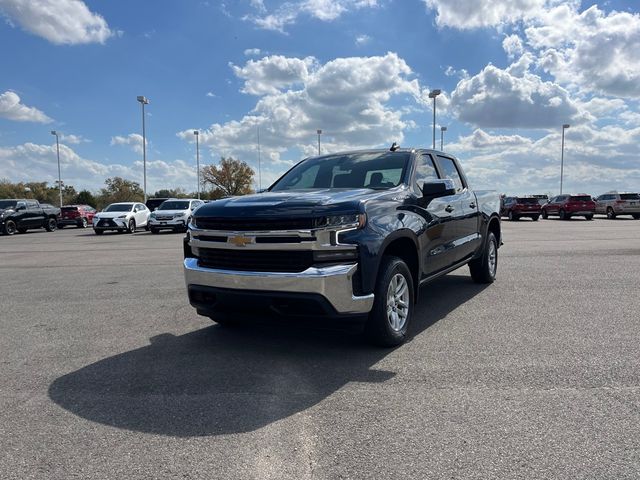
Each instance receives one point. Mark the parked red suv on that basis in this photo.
(517, 207)
(567, 206)
(78, 215)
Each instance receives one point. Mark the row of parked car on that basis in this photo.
(20, 215)
(611, 204)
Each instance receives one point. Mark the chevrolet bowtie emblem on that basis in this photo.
(239, 241)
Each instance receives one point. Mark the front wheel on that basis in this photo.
(83, 223)
(51, 225)
(132, 226)
(610, 213)
(545, 215)
(155, 231)
(589, 217)
(535, 218)
(390, 316)
(10, 227)
(636, 216)
(563, 215)
(98, 232)
(483, 269)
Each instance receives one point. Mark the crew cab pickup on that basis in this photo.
(350, 235)
(20, 215)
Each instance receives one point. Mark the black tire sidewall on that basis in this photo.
(378, 328)
(131, 226)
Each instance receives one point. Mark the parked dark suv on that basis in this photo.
(567, 206)
(517, 207)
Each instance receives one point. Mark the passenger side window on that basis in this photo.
(32, 205)
(448, 169)
(425, 171)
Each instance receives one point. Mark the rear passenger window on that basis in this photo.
(449, 170)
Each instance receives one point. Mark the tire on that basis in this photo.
(484, 269)
(83, 223)
(589, 217)
(9, 228)
(563, 215)
(636, 216)
(98, 232)
(51, 225)
(535, 218)
(155, 231)
(132, 226)
(544, 215)
(611, 215)
(513, 217)
(61, 226)
(394, 297)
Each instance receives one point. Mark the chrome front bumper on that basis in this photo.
(333, 282)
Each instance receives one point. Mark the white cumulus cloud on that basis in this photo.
(133, 140)
(58, 21)
(466, 14)
(12, 109)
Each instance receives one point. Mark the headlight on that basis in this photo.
(358, 220)
(153, 215)
(122, 216)
(178, 215)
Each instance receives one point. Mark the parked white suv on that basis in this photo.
(613, 204)
(123, 217)
(173, 214)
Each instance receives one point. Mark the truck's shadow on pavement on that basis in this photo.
(229, 380)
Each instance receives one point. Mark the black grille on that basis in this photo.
(106, 222)
(258, 224)
(255, 260)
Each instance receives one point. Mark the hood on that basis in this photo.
(111, 214)
(294, 204)
(6, 210)
(170, 212)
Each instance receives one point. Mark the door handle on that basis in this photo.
(472, 205)
(449, 208)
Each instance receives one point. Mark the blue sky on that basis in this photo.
(511, 72)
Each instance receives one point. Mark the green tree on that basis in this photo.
(230, 178)
(118, 189)
(85, 197)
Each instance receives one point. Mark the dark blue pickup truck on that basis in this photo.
(350, 235)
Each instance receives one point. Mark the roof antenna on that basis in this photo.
(394, 147)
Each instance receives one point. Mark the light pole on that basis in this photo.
(564, 127)
(442, 130)
(53, 132)
(433, 94)
(144, 101)
(197, 134)
(259, 162)
(319, 132)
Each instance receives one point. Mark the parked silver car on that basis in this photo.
(613, 204)
(173, 214)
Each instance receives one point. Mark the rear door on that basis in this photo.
(35, 215)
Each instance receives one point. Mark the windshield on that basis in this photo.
(528, 201)
(580, 199)
(7, 204)
(629, 196)
(355, 170)
(174, 205)
(118, 207)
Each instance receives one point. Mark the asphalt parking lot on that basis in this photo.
(107, 372)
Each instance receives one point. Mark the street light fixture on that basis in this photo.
(433, 94)
(564, 127)
(319, 132)
(442, 130)
(197, 134)
(53, 132)
(144, 101)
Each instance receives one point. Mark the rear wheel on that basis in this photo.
(544, 214)
(51, 225)
(589, 217)
(483, 269)
(610, 213)
(393, 305)
(9, 227)
(636, 216)
(512, 216)
(535, 218)
(563, 215)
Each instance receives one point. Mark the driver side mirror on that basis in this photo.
(438, 188)
(20, 207)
